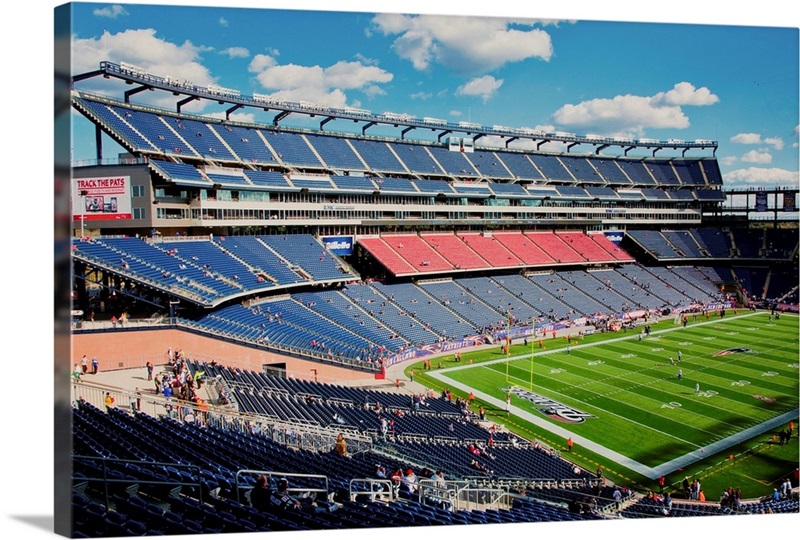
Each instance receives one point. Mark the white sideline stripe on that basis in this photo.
(644, 470)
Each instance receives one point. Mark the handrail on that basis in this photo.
(106, 480)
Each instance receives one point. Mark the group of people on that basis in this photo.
(279, 500)
(79, 370)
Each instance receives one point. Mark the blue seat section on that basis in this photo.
(655, 284)
(655, 243)
(291, 148)
(610, 171)
(749, 242)
(507, 190)
(454, 163)
(685, 243)
(289, 325)
(214, 258)
(117, 124)
(157, 130)
(780, 243)
(543, 303)
(655, 194)
(354, 183)
(234, 181)
(390, 314)
(709, 195)
(395, 185)
(356, 405)
(585, 283)
(637, 171)
(313, 184)
(379, 157)
(204, 140)
(635, 194)
(520, 166)
(572, 192)
(308, 253)
(269, 179)
(476, 308)
(552, 168)
(336, 152)
(246, 143)
(602, 193)
(488, 164)
(178, 264)
(215, 454)
(143, 262)
(424, 310)
(433, 187)
(479, 189)
(416, 158)
(500, 298)
(582, 169)
(712, 172)
(180, 172)
(663, 173)
(336, 307)
(573, 302)
(682, 195)
(694, 284)
(690, 172)
(256, 254)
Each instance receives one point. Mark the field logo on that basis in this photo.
(735, 350)
(548, 407)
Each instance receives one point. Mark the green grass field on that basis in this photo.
(633, 403)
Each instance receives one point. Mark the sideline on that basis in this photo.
(644, 470)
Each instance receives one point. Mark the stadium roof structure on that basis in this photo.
(134, 75)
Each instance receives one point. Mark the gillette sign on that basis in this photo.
(548, 407)
(615, 236)
(339, 245)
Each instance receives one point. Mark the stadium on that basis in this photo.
(500, 333)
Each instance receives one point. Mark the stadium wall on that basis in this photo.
(129, 349)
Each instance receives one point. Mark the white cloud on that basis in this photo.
(630, 115)
(728, 160)
(111, 12)
(421, 95)
(450, 41)
(746, 138)
(323, 85)
(755, 138)
(684, 93)
(455, 113)
(761, 157)
(236, 52)
(223, 22)
(772, 177)
(486, 87)
(775, 142)
(144, 49)
(260, 62)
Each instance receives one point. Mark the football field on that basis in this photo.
(654, 404)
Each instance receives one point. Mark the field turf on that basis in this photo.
(629, 394)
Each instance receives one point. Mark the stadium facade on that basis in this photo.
(347, 249)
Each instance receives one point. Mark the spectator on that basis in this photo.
(260, 495)
(341, 445)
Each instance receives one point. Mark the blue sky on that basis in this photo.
(734, 84)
